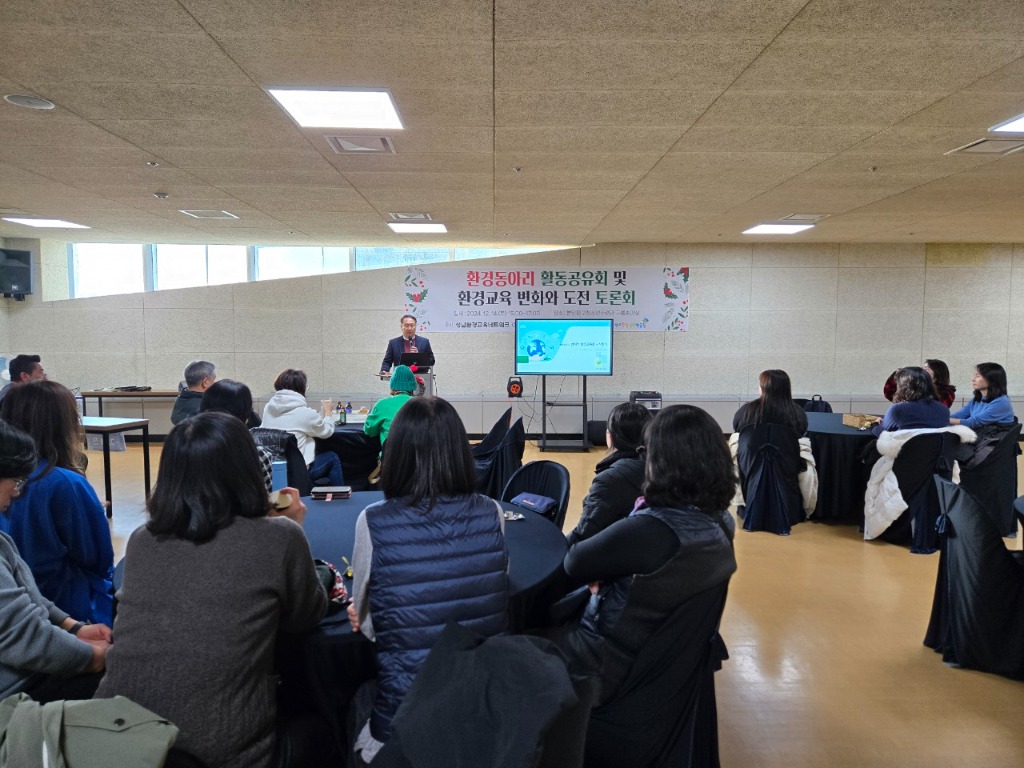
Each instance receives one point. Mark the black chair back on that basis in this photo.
(977, 618)
(770, 464)
(920, 459)
(664, 712)
(284, 447)
(993, 480)
(545, 478)
(499, 455)
(493, 438)
(817, 405)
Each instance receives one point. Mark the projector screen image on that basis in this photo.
(564, 347)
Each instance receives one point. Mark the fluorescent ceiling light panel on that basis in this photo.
(777, 229)
(339, 107)
(50, 223)
(1013, 125)
(404, 228)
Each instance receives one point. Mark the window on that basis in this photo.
(186, 266)
(489, 253)
(226, 264)
(102, 269)
(275, 262)
(379, 258)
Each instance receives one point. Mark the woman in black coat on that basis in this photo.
(620, 473)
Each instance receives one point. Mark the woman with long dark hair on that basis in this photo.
(620, 474)
(774, 405)
(945, 392)
(914, 405)
(432, 552)
(677, 543)
(210, 582)
(58, 522)
(235, 398)
(991, 403)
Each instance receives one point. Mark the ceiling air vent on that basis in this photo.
(210, 214)
(806, 218)
(989, 147)
(410, 216)
(361, 145)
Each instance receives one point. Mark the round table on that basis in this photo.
(324, 668)
(536, 547)
(842, 478)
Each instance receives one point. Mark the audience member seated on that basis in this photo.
(676, 544)
(235, 398)
(620, 474)
(945, 392)
(378, 422)
(22, 369)
(430, 553)
(58, 523)
(209, 582)
(44, 652)
(914, 404)
(990, 405)
(287, 410)
(774, 405)
(199, 376)
(939, 371)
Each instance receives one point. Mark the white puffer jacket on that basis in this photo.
(883, 502)
(287, 410)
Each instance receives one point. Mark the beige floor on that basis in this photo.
(824, 630)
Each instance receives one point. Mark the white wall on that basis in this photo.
(838, 317)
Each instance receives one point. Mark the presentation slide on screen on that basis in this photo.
(573, 347)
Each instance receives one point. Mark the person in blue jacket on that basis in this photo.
(58, 522)
(915, 404)
(991, 404)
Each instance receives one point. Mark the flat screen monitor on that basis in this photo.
(15, 271)
(563, 347)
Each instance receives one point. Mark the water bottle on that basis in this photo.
(278, 475)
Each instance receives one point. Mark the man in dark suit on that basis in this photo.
(407, 342)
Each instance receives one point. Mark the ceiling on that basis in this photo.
(656, 120)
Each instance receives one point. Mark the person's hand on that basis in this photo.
(99, 655)
(95, 632)
(353, 617)
(296, 511)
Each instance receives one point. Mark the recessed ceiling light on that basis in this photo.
(32, 102)
(407, 228)
(51, 223)
(339, 107)
(777, 229)
(1013, 125)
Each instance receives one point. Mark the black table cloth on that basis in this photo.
(323, 669)
(842, 478)
(358, 453)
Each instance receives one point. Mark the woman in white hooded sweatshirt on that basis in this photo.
(287, 410)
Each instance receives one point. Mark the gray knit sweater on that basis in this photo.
(31, 640)
(196, 629)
